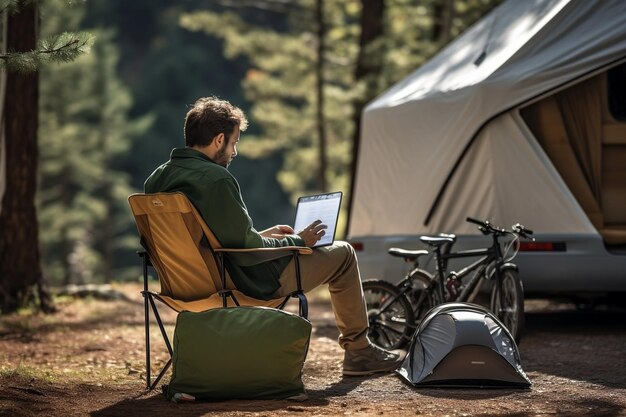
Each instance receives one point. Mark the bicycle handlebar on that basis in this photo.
(521, 230)
(487, 228)
(475, 221)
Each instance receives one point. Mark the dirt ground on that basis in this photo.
(88, 359)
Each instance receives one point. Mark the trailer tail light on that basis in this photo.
(358, 246)
(542, 247)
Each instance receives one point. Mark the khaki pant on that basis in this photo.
(335, 265)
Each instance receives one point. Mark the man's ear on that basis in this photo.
(218, 140)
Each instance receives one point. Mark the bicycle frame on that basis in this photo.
(489, 256)
(421, 290)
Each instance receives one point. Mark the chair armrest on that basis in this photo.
(142, 253)
(253, 256)
(303, 250)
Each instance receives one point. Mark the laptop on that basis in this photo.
(324, 207)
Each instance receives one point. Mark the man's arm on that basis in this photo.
(311, 234)
(279, 231)
(222, 207)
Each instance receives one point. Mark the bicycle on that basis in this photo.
(394, 311)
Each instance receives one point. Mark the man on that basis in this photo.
(212, 128)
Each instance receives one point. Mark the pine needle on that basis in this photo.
(64, 47)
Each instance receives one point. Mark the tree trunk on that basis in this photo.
(321, 123)
(443, 13)
(368, 66)
(66, 251)
(21, 279)
(107, 235)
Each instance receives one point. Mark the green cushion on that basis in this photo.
(239, 353)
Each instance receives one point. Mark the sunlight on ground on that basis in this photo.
(89, 339)
(86, 340)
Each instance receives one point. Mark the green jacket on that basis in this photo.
(215, 193)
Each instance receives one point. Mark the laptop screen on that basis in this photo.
(324, 207)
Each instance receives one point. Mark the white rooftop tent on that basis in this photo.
(448, 141)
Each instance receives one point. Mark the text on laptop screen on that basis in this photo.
(324, 207)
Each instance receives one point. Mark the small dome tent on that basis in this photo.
(463, 345)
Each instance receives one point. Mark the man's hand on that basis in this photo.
(313, 233)
(279, 231)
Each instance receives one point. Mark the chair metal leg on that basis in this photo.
(146, 315)
(150, 385)
(158, 378)
(284, 303)
(296, 261)
(302, 301)
(161, 327)
(223, 293)
(149, 303)
(147, 328)
(303, 305)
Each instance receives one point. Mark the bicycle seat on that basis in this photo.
(437, 240)
(409, 255)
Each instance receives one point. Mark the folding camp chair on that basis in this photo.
(190, 264)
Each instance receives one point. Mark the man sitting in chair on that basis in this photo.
(199, 170)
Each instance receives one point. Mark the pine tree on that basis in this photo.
(282, 84)
(21, 278)
(285, 65)
(56, 48)
(83, 131)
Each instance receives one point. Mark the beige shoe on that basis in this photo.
(370, 360)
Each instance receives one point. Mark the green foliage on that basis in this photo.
(84, 129)
(280, 80)
(59, 48)
(167, 68)
(97, 147)
(412, 35)
(55, 48)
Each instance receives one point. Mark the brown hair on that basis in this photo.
(210, 116)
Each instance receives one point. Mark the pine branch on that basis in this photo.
(56, 49)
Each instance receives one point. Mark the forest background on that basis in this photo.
(302, 70)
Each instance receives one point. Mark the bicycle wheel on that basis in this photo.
(423, 296)
(511, 312)
(391, 322)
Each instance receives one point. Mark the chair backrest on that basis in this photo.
(179, 244)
